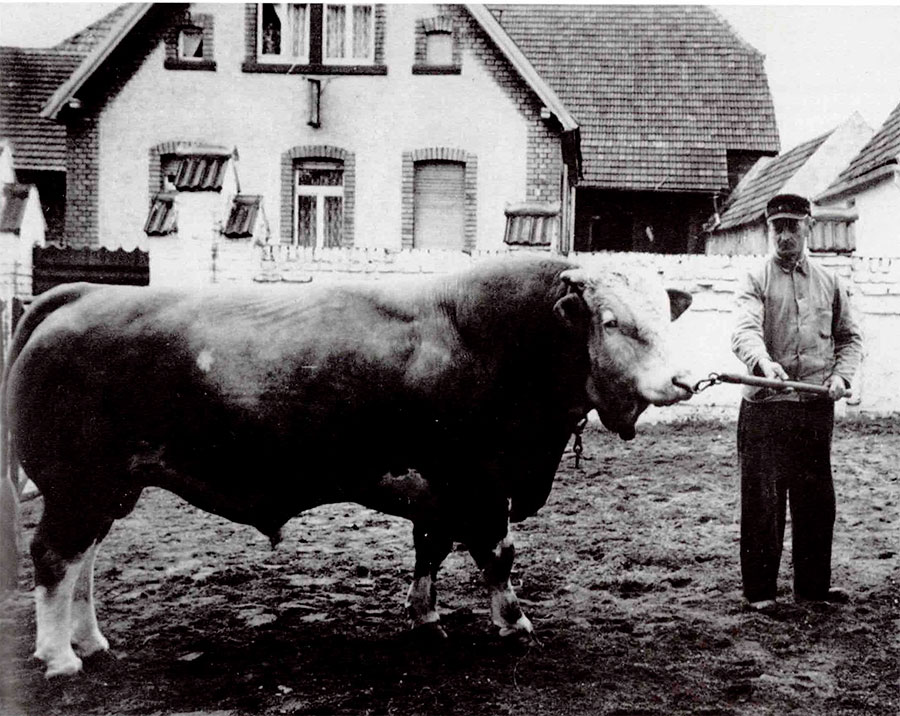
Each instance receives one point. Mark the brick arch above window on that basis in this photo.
(317, 151)
(408, 175)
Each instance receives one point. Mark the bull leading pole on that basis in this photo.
(771, 383)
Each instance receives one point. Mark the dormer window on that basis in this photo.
(349, 34)
(190, 44)
(283, 32)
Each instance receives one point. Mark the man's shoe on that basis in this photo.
(762, 606)
(835, 595)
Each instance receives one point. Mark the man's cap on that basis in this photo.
(790, 206)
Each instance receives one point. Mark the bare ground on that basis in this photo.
(630, 574)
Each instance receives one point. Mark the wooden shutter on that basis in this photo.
(440, 208)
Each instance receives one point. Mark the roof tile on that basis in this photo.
(659, 81)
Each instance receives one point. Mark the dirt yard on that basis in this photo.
(630, 574)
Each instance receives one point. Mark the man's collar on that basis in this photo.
(801, 264)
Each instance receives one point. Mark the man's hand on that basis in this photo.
(837, 387)
(772, 370)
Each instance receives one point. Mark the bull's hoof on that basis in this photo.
(64, 665)
(519, 634)
(431, 634)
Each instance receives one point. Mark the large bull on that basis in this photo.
(448, 402)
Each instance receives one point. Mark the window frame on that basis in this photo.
(282, 58)
(181, 55)
(349, 34)
(320, 192)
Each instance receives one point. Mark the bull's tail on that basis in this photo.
(9, 501)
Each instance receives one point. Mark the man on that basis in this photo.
(793, 323)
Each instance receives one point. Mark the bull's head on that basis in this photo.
(627, 322)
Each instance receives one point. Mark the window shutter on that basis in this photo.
(440, 209)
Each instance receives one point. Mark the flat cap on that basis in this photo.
(791, 206)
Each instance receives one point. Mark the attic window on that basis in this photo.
(438, 48)
(190, 44)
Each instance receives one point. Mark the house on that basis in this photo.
(807, 169)
(673, 107)
(449, 128)
(870, 184)
(27, 79)
(21, 228)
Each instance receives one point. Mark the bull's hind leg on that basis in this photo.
(86, 636)
(63, 550)
(496, 563)
(432, 547)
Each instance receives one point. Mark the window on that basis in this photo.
(439, 48)
(190, 43)
(349, 34)
(439, 205)
(319, 202)
(283, 34)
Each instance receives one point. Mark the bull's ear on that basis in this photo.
(679, 301)
(572, 310)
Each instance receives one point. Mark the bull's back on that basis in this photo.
(207, 388)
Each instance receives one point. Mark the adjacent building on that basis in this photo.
(455, 128)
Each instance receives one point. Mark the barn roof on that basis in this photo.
(880, 156)
(748, 201)
(29, 77)
(661, 92)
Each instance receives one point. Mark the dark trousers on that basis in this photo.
(785, 455)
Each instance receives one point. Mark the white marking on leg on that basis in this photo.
(86, 635)
(53, 614)
(421, 602)
(205, 360)
(506, 612)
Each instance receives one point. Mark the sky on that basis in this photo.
(823, 62)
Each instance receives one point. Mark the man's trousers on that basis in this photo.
(785, 457)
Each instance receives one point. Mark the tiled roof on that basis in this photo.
(87, 39)
(748, 202)
(163, 217)
(660, 91)
(29, 77)
(882, 149)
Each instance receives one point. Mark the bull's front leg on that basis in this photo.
(496, 562)
(432, 547)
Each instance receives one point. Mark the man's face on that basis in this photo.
(789, 237)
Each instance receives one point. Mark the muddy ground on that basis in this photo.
(630, 574)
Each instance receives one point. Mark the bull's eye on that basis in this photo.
(609, 320)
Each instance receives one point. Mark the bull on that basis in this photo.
(458, 395)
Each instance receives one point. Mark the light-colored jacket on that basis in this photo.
(799, 317)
